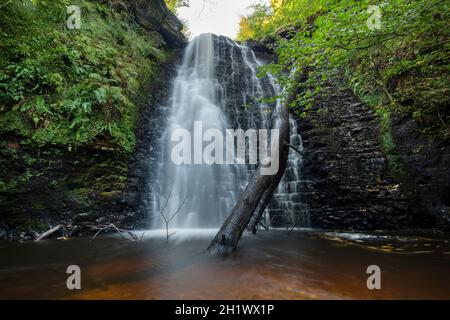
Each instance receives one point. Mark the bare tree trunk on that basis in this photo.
(229, 235)
(265, 199)
(263, 203)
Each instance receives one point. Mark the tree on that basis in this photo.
(260, 189)
(173, 5)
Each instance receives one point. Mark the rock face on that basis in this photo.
(93, 185)
(261, 50)
(53, 186)
(41, 187)
(153, 15)
(429, 165)
(348, 183)
(138, 194)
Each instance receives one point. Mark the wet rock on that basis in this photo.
(345, 156)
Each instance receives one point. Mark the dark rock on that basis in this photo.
(153, 15)
(83, 217)
(345, 156)
(261, 50)
(351, 185)
(288, 32)
(428, 163)
(89, 185)
(134, 200)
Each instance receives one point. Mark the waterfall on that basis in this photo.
(216, 84)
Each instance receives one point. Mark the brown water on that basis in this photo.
(271, 265)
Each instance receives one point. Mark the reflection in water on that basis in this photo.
(306, 264)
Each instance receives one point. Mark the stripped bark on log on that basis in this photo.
(48, 233)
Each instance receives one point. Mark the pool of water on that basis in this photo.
(276, 264)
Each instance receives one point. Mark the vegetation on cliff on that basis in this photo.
(173, 5)
(395, 54)
(70, 100)
(71, 87)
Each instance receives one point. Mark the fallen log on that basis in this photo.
(48, 232)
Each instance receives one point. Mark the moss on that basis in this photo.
(83, 86)
(110, 194)
(37, 206)
(68, 114)
(30, 160)
(54, 184)
(397, 166)
(13, 183)
(8, 186)
(81, 196)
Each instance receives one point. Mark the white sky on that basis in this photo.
(217, 16)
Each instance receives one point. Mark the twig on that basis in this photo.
(131, 236)
(203, 8)
(167, 220)
(178, 210)
(167, 201)
(263, 225)
(297, 150)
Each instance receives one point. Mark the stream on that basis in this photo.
(275, 264)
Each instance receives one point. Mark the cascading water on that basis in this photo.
(216, 84)
(287, 204)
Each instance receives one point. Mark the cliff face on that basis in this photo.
(154, 16)
(428, 163)
(136, 196)
(91, 185)
(96, 183)
(349, 181)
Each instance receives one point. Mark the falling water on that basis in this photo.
(216, 84)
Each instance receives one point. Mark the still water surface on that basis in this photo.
(307, 264)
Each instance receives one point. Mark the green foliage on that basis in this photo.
(70, 87)
(406, 60)
(173, 5)
(395, 161)
(265, 19)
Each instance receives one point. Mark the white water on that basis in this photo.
(215, 82)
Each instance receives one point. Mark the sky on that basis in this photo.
(216, 16)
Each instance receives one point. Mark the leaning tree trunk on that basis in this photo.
(231, 231)
(263, 203)
(265, 199)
